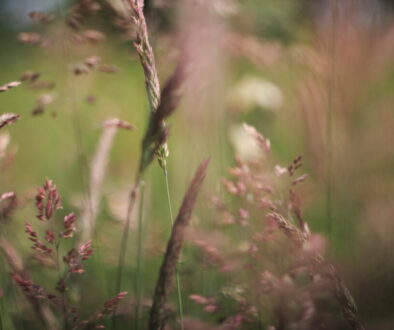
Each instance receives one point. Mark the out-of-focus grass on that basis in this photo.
(48, 146)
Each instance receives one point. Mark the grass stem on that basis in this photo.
(124, 241)
(138, 288)
(329, 120)
(177, 276)
(1, 314)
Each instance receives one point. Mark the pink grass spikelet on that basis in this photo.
(30, 289)
(9, 86)
(49, 236)
(8, 118)
(72, 260)
(86, 250)
(110, 305)
(8, 203)
(30, 38)
(47, 200)
(116, 122)
(264, 143)
(69, 226)
(41, 17)
(30, 231)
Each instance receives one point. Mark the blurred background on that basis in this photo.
(315, 77)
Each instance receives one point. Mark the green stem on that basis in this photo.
(177, 277)
(59, 273)
(1, 314)
(330, 108)
(139, 282)
(124, 241)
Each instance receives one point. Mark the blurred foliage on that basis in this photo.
(60, 142)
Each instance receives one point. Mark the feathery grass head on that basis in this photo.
(157, 132)
(174, 246)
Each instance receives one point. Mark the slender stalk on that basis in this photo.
(138, 279)
(19, 324)
(70, 89)
(154, 142)
(329, 119)
(57, 259)
(157, 317)
(162, 105)
(1, 298)
(1, 314)
(71, 92)
(83, 162)
(168, 195)
(153, 92)
(177, 276)
(124, 241)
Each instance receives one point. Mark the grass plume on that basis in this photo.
(162, 105)
(174, 246)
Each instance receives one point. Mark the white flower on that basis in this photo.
(256, 91)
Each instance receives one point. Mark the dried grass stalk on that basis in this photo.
(97, 174)
(174, 246)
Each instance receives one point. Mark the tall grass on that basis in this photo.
(169, 266)
(154, 145)
(259, 251)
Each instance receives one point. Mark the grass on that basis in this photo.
(248, 258)
(177, 276)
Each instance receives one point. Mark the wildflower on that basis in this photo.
(255, 91)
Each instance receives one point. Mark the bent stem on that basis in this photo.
(177, 277)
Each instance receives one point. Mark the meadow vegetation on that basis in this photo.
(198, 164)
